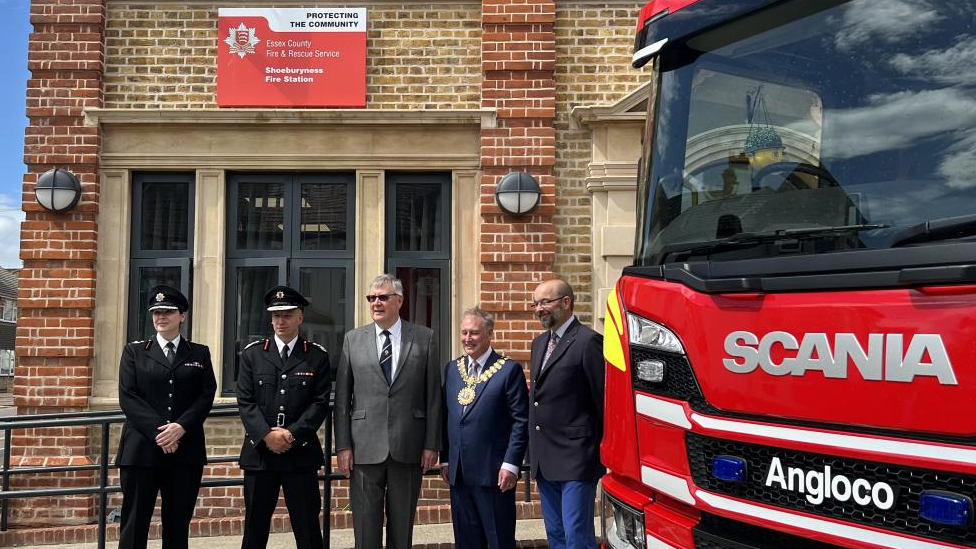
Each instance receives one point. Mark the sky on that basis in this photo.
(14, 29)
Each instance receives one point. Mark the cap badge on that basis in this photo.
(280, 295)
(160, 297)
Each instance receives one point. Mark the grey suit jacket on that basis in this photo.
(377, 420)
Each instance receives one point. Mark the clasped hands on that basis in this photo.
(169, 437)
(279, 440)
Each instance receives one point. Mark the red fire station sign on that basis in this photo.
(291, 57)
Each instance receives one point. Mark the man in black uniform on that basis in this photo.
(283, 394)
(166, 389)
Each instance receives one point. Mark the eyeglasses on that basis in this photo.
(544, 302)
(382, 297)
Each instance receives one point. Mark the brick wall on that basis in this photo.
(418, 56)
(518, 60)
(594, 45)
(56, 287)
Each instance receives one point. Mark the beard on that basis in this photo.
(548, 321)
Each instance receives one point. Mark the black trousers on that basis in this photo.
(178, 486)
(302, 498)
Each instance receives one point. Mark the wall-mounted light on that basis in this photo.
(518, 193)
(57, 190)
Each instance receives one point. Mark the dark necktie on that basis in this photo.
(386, 357)
(284, 354)
(474, 369)
(170, 353)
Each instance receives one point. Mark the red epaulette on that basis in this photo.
(267, 342)
(305, 346)
(149, 344)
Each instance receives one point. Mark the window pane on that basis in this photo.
(260, 216)
(149, 277)
(418, 217)
(423, 294)
(165, 216)
(253, 321)
(325, 317)
(323, 223)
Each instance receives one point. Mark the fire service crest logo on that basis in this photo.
(241, 40)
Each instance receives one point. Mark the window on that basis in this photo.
(418, 244)
(7, 362)
(9, 309)
(294, 229)
(162, 243)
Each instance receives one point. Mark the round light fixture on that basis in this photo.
(518, 193)
(57, 190)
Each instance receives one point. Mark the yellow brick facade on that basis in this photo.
(418, 56)
(594, 44)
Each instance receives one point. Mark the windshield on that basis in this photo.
(858, 119)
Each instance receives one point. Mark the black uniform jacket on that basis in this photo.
(153, 393)
(294, 395)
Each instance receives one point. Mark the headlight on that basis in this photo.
(623, 526)
(653, 335)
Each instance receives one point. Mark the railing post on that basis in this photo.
(6, 478)
(327, 501)
(103, 485)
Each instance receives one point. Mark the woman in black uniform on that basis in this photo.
(166, 389)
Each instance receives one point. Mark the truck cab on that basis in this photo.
(789, 357)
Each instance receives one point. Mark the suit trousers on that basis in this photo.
(399, 485)
(483, 516)
(178, 486)
(302, 498)
(567, 510)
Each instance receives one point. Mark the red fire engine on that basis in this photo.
(791, 358)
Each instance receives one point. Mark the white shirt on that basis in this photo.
(291, 345)
(482, 364)
(396, 332)
(163, 341)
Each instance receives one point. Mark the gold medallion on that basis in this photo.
(466, 396)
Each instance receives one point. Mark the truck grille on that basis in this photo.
(907, 484)
(715, 532)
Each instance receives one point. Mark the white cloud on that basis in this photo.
(955, 65)
(10, 218)
(884, 21)
(899, 120)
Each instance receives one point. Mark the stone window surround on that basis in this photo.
(211, 142)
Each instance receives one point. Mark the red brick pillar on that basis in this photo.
(57, 284)
(518, 57)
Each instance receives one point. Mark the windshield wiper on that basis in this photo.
(937, 229)
(753, 238)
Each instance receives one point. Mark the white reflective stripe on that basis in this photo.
(662, 410)
(648, 51)
(853, 442)
(816, 525)
(667, 483)
(654, 543)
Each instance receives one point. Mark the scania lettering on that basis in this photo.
(791, 354)
(885, 357)
(820, 485)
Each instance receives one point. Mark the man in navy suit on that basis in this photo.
(566, 417)
(485, 436)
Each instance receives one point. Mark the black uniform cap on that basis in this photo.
(167, 297)
(283, 298)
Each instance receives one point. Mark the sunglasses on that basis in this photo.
(382, 297)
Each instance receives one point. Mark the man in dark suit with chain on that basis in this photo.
(486, 411)
(388, 417)
(565, 417)
(283, 394)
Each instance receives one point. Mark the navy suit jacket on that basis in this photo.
(492, 430)
(566, 416)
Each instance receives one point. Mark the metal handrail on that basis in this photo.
(105, 419)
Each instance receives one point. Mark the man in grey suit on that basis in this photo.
(388, 417)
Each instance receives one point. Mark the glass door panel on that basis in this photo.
(329, 314)
(248, 320)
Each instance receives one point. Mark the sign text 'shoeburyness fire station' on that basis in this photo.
(291, 57)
